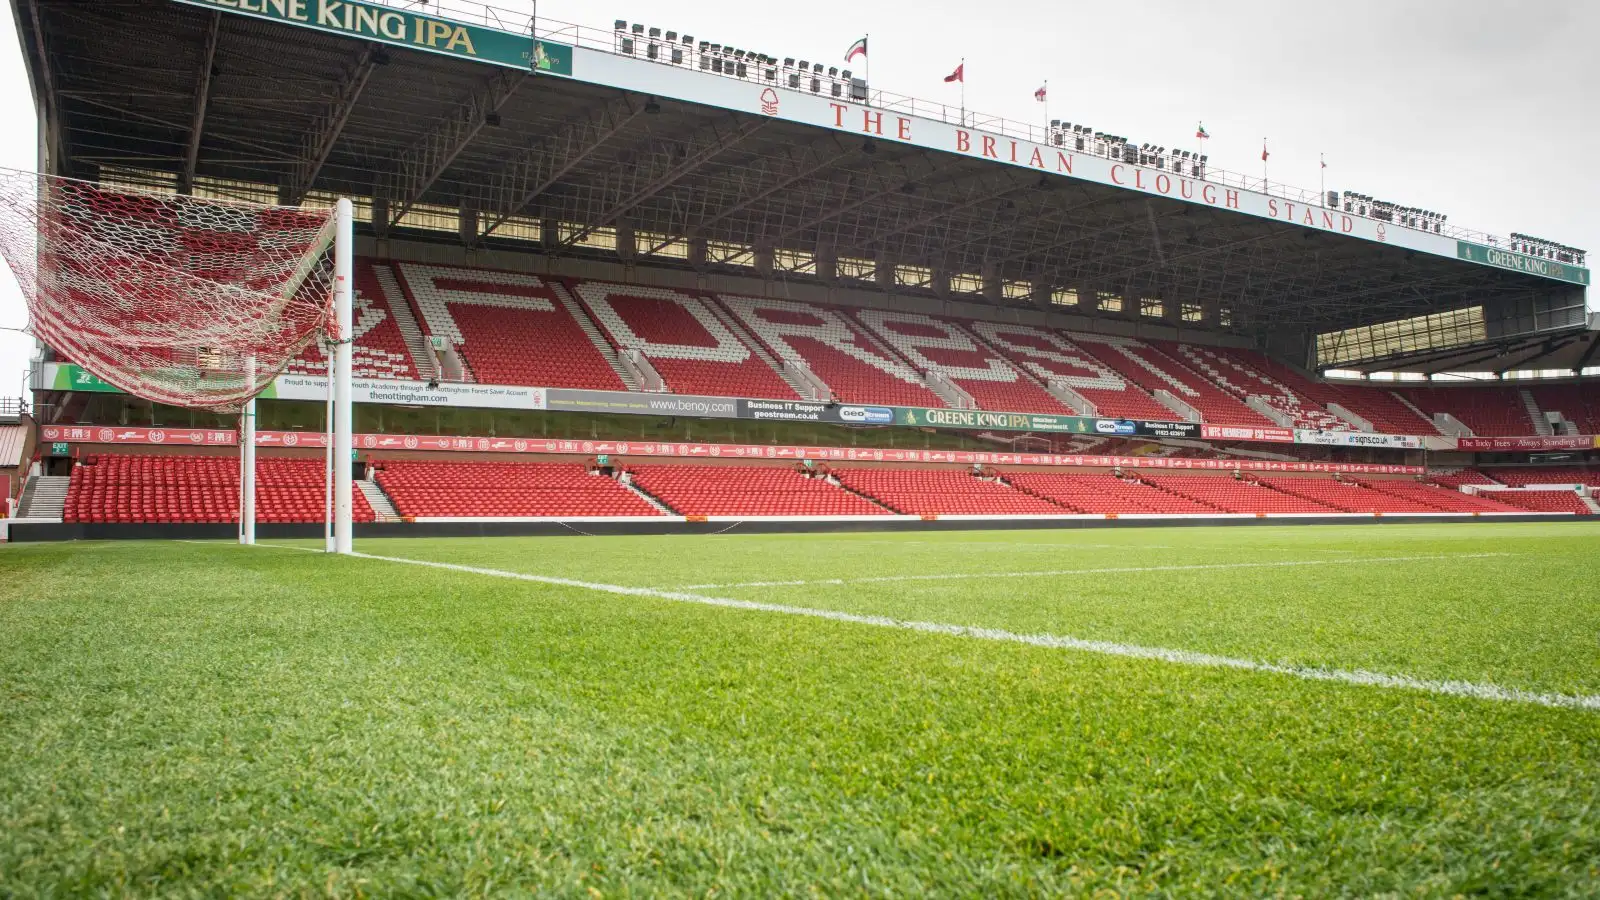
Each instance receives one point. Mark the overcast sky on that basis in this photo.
(1484, 111)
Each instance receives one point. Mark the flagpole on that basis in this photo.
(868, 74)
(963, 92)
(1047, 109)
(1323, 172)
(1264, 155)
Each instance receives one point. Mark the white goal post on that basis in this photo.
(192, 301)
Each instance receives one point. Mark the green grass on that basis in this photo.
(183, 719)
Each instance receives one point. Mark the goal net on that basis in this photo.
(193, 302)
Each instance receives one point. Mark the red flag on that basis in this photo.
(1263, 152)
(1039, 95)
(958, 75)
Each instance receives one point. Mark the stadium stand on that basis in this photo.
(1234, 496)
(506, 490)
(1053, 359)
(380, 349)
(1545, 501)
(509, 328)
(1577, 405)
(683, 338)
(1147, 367)
(1458, 477)
(941, 347)
(1348, 496)
(944, 492)
(1524, 476)
(1488, 411)
(749, 491)
(841, 355)
(1241, 374)
(1104, 493)
(1387, 413)
(1439, 498)
(148, 488)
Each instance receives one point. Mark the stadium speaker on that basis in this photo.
(1130, 154)
(677, 56)
(858, 90)
(627, 46)
(652, 51)
(794, 81)
(1333, 199)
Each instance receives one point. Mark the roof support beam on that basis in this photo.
(324, 133)
(541, 166)
(671, 162)
(202, 99)
(808, 162)
(889, 187)
(428, 158)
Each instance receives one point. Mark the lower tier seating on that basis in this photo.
(1104, 494)
(749, 491)
(1348, 496)
(506, 489)
(1235, 496)
(128, 488)
(1439, 498)
(1523, 476)
(1545, 501)
(945, 492)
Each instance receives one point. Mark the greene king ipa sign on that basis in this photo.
(401, 28)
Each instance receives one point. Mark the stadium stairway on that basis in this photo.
(406, 321)
(382, 508)
(592, 331)
(44, 497)
(627, 481)
(731, 322)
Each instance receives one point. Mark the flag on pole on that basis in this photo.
(958, 75)
(859, 48)
(1039, 95)
(1263, 151)
(1200, 131)
(1323, 161)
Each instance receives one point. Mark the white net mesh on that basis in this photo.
(182, 300)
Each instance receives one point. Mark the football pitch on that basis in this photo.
(1406, 709)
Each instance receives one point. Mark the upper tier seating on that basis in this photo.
(1104, 493)
(1233, 496)
(683, 337)
(510, 328)
(1241, 373)
(944, 492)
(938, 346)
(379, 350)
(1488, 411)
(1378, 406)
(1147, 367)
(1545, 501)
(1052, 358)
(1440, 498)
(1579, 405)
(749, 491)
(1522, 476)
(127, 488)
(837, 352)
(506, 489)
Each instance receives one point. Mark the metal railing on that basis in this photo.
(526, 21)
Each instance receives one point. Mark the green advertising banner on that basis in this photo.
(401, 28)
(68, 377)
(1532, 265)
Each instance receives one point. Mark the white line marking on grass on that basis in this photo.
(1474, 690)
(1052, 573)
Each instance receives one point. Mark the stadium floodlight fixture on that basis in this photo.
(788, 62)
(672, 36)
(621, 25)
(688, 40)
(637, 28)
(654, 32)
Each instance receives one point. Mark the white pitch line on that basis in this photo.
(1475, 690)
(1053, 573)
